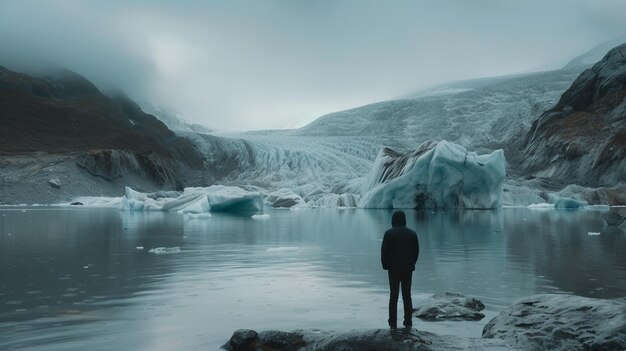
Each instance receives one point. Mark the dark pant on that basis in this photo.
(397, 279)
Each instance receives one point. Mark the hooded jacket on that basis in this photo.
(400, 247)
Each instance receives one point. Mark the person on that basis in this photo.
(398, 254)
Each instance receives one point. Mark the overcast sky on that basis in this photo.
(246, 65)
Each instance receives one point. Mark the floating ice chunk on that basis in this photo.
(436, 175)
(593, 233)
(603, 208)
(139, 247)
(195, 200)
(261, 216)
(97, 201)
(544, 206)
(566, 202)
(164, 250)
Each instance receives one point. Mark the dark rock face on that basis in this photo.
(64, 112)
(113, 164)
(562, 322)
(451, 307)
(583, 138)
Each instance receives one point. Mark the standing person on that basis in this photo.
(398, 255)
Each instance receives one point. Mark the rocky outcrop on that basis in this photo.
(358, 340)
(583, 138)
(562, 322)
(450, 307)
(541, 322)
(58, 118)
(113, 164)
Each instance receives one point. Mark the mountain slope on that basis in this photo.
(65, 112)
(582, 139)
(62, 137)
(482, 115)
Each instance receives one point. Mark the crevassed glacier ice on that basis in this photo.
(439, 174)
(196, 200)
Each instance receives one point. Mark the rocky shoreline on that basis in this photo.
(540, 322)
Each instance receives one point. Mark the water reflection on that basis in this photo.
(77, 278)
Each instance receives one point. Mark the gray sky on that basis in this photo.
(280, 64)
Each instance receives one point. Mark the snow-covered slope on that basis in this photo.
(484, 114)
(173, 120)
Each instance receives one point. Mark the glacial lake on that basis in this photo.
(85, 279)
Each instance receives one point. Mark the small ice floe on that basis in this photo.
(202, 215)
(139, 247)
(282, 249)
(593, 233)
(540, 206)
(261, 216)
(164, 250)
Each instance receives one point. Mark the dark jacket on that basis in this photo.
(400, 247)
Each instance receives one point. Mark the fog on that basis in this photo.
(242, 65)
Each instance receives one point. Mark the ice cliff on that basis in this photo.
(438, 174)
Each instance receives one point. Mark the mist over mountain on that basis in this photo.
(328, 159)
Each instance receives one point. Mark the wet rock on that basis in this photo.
(284, 203)
(283, 199)
(562, 322)
(280, 341)
(243, 340)
(366, 340)
(250, 340)
(451, 307)
(613, 218)
(55, 183)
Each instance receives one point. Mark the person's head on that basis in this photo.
(398, 219)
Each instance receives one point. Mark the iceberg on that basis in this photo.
(438, 174)
(566, 202)
(195, 200)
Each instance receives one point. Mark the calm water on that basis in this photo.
(76, 279)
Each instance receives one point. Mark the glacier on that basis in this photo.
(438, 174)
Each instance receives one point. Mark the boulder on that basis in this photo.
(243, 340)
(562, 322)
(357, 340)
(55, 183)
(250, 340)
(450, 307)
